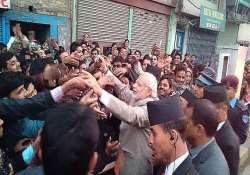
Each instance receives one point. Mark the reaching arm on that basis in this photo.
(15, 109)
(137, 68)
(136, 116)
(123, 92)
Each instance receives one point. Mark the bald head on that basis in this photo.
(205, 113)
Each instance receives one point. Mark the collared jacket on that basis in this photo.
(228, 142)
(239, 118)
(211, 160)
(13, 110)
(134, 132)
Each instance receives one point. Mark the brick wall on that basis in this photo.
(48, 7)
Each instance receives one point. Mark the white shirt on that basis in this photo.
(11, 41)
(220, 125)
(105, 98)
(175, 164)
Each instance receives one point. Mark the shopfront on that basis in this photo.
(44, 25)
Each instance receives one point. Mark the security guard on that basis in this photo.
(225, 136)
(238, 112)
(202, 81)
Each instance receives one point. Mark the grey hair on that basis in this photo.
(151, 83)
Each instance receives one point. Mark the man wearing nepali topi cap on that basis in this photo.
(167, 139)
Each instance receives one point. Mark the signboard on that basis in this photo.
(245, 3)
(212, 19)
(4, 4)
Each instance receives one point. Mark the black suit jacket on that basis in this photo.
(186, 168)
(228, 142)
(13, 110)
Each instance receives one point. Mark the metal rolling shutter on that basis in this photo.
(202, 43)
(148, 28)
(105, 20)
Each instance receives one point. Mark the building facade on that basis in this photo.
(233, 44)
(191, 36)
(143, 22)
(46, 18)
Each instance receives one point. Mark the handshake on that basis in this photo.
(87, 90)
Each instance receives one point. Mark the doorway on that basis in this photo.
(225, 66)
(179, 40)
(42, 30)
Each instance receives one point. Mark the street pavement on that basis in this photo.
(245, 157)
(246, 170)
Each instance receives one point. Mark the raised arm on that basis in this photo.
(15, 109)
(136, 116)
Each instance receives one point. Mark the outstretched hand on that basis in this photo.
(112, 146)
(91, 82)
(106, 81)
(74, 83)
(100, 114)
(69, 59)
(91, 99)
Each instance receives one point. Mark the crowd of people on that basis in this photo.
(90, 111)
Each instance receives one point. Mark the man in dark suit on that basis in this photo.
(68, 146)
(167, 138)
(17, 109)
(13, 110)
(237, 110)
(225, 136)
(202, 124)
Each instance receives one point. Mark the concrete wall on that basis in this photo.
(248, 56)
(227, 46)
(60, 8)
(48, 7)
(232, 54)
(191, 7)
(229, 37)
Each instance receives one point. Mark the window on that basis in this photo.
(225, 66)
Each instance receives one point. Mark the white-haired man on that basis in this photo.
(135, 155)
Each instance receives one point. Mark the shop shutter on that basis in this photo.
(148, 28)
(202, 43)
(105, 20)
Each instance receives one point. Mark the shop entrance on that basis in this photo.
(42, 31)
